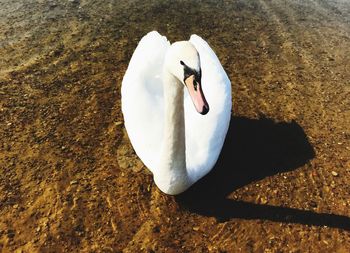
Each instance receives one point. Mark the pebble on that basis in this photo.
(263, 200)
(11, 233)
(334, 173)
(313, 204)
(73, 182)
(156, 229)
(333, 185)
(195, 228)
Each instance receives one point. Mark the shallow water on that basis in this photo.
(70, 180)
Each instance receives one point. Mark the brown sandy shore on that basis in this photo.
(70, 180)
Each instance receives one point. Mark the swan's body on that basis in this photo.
(178, 144)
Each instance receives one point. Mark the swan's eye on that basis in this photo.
(191, 72)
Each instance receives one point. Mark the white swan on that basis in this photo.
(165, 122)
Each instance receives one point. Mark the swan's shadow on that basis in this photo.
(253, 150)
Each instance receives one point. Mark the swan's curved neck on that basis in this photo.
(173, 178)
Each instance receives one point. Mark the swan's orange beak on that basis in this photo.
(195, 89)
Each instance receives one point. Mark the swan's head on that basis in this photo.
(183, 61)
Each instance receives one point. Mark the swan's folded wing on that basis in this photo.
(146, 62)
(142, 96)
(205, 135)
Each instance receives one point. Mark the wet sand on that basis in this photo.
(70, 180)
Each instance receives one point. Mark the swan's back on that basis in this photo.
(142, 106)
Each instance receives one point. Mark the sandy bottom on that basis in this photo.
(70, 180)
